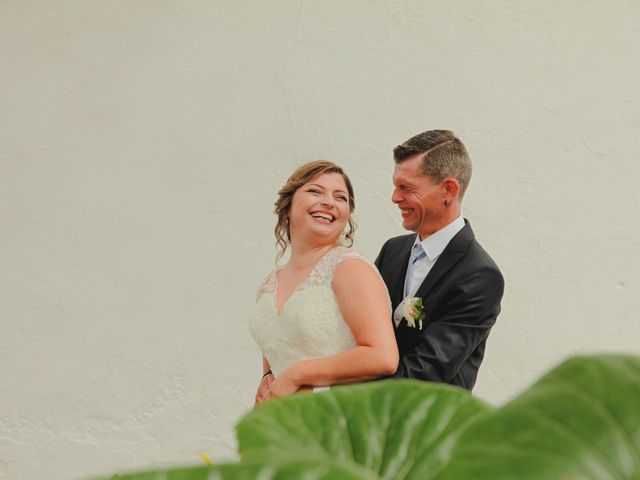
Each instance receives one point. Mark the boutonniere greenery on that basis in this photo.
(413, 312)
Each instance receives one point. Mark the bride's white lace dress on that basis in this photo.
(310, 324)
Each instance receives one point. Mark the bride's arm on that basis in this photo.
(364, 303)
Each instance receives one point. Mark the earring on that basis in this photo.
(446, 203)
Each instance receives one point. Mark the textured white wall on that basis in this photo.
(141, 146)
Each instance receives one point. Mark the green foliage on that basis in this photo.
(291, 470)
(581, 421)
(396, 429)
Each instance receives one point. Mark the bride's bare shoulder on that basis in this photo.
(357, 280)
(354, 266)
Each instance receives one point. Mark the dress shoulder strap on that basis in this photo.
(268, 285)
(324, 272)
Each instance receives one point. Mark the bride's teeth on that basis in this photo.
(324, 217)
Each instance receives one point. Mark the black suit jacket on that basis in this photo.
(461, 297)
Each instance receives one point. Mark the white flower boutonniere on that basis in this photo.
(412, 312)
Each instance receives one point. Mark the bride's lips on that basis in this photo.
(322, 216)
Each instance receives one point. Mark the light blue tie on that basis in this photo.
(417, 253)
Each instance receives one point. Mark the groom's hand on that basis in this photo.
(263, 389)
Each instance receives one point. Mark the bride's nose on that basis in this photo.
(327, 201)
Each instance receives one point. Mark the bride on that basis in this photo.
(324, 317)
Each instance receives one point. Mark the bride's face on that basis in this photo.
(320, 207)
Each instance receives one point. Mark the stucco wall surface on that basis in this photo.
(141, 146)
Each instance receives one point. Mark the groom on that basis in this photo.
(441, 263)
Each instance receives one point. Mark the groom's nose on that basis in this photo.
(396, 197)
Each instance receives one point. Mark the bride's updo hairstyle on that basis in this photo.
(300, 177)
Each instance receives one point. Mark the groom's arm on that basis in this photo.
(461, 324)
(380, 257)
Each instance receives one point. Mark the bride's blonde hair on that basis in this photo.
(300, 177)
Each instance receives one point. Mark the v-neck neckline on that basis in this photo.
(297, 287)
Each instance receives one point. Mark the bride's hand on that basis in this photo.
(263, 389)
(283, 385)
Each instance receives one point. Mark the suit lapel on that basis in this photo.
(452, 254)
(397, 295)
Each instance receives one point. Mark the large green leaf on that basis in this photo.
(291, 470)
(395, 429)
(579, 422)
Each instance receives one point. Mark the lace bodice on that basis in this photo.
(310, 324)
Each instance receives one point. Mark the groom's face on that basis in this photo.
(418, 197)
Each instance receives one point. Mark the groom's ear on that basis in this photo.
(450, 189)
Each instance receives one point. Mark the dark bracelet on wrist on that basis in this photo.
(268, 372)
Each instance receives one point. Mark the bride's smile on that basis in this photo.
(323, 217)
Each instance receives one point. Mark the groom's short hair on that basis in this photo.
(444, 156)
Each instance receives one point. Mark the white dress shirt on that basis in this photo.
(433, 246)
